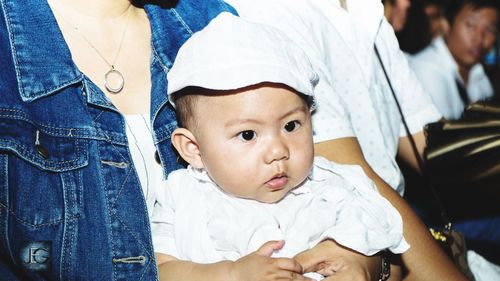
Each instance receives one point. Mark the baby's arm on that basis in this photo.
(330, 258)
(257, 266)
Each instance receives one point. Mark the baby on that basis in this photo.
(254, 195)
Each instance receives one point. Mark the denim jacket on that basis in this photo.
(71, 205)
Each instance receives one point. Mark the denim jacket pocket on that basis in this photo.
(44, 184)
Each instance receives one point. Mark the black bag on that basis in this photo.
(463, 161)
(453, 244)
(465, 147)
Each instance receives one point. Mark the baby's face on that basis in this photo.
(256, 144)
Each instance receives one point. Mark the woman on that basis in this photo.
(71, 204)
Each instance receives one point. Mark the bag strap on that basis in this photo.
(420, 161)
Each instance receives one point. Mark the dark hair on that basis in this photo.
(455, 6)
(440, 3)
(416, 35)
(185, 101)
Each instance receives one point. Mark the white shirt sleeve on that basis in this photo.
(330, 119)
(415, 102)
(162, 219)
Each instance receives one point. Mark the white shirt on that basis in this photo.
(195, 220)
(352, 96)
(437, 70)
(143, 151)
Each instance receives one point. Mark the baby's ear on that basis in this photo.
(187, 146)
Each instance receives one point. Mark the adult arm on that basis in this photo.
(329, 258)
(424, 260)
(405, 149)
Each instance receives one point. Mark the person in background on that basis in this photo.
(416, 34)
(76, 176)
(435, 12)
(450, 68)
(426, 21)
(396, 13)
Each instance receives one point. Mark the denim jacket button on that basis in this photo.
(157, 157)
(42, 151)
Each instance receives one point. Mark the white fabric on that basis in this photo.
(352, 97)
(194, 220)
(438, 71)
(231, 53)
(482, 269)
(143, 150)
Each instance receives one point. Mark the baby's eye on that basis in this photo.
(292, 126)
(247, 135)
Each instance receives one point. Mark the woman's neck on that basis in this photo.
(97, 9)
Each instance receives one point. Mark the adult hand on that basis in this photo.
(339, 263)
(260, 266)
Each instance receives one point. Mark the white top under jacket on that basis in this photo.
(142, 149)
(437, 70)
(352, 96)
(195, 220)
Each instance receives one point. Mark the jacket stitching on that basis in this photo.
(25, 222)
(13, 47)
(183, 23)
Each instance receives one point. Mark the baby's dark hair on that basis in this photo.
(185, 101)
(188, 98)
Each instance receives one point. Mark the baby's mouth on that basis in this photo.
(277, 182)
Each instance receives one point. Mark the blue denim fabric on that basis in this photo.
(71, 205)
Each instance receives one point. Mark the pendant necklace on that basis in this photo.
(113, 78)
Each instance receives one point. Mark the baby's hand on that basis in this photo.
(259, 266)
(330, 259)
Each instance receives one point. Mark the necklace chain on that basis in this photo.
(111, 65)
(112, 72)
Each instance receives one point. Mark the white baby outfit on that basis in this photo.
(195, 220)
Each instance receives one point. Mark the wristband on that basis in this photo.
(386, 269)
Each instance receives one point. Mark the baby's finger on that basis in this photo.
(270, 247)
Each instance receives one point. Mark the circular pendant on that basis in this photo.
(113, 81)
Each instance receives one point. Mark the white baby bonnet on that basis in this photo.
(232, 53)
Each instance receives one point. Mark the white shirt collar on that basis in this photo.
(476, 70)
